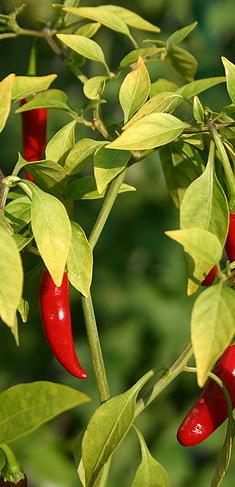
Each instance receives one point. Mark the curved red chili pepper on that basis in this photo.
(210, 276)
(34, 125)
(210, 409)
(56, 320)
(230, 242)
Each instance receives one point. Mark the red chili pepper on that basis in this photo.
(210, 276)
(210, 410)
(56, 319)
(34, 125)
(230, 242)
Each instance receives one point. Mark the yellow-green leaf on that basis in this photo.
(150, 473)
(212, 327)
(151, 131)
(25, 86)
(134, 90)
(6, 86)
(11, 282)
(84, 46)
(80, 260)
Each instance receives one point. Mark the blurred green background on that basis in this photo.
(139, 284)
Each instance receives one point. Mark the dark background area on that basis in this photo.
(139, 284)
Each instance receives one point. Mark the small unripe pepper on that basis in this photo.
(210, 410)
(56, 320)
(230, 242)
(34, 126)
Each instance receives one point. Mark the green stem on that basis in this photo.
(95, 348)
(167, 378)
(227, 167)
(12, 471)
(106, 208)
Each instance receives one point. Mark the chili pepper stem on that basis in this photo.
(106, 208)
(168, 377)
(95, 348)
(226, 165)
(12, 471)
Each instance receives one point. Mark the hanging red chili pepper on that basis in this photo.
(230, 242)
(34, 125)
(56, 319)
(210, 276)
(210, 409)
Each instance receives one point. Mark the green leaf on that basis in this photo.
(80, 260)
(49, 175)
(25, 407)
(181, 164)
(151, 131)
(212, 327)
(84, 148)
(102, 15)
(11, 282)
(203, 247)
(198, 111)
(51, 230)
(48, 99)
(85, 189)
(133, 56)
(99, 443)
(107, 165)
(134, 90)
(196, 87)
(88, 30)
(150, 473)
(180, 34)
(61, 142)
(25, 86)
(18, 213)
(6, 86)
(160, 103)
(182, 61)
(132, 19)
(205, 206)
(162, 85)
(84, 46)
(94, 87)
(230, 77)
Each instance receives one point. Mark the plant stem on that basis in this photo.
(106, 208)
(227, 167)
(89, 315)
(167, 378)
(95, 348)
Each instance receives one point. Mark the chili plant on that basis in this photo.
(196, 147)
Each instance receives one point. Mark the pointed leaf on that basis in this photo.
(133, 56)
(18, 213)
(151, 131)
(49, 175)
(162, 85)
(183, 62)
(25, 407)
(80, 260)
(61, 142)
(88, 30)
(180, 34)
(134, 90)
(99, 443)
(94, 87)
(83, 149)
(6, 86)
(150, 473)
(48, 99)
(11, 282)
(196, 87)
(85, 189)
(230, 77)
(102, 15)
(25, 86)
(203, 247)
(107, 165)
(132, 19)
(84, 46)
(51, 230)
(212, 327)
